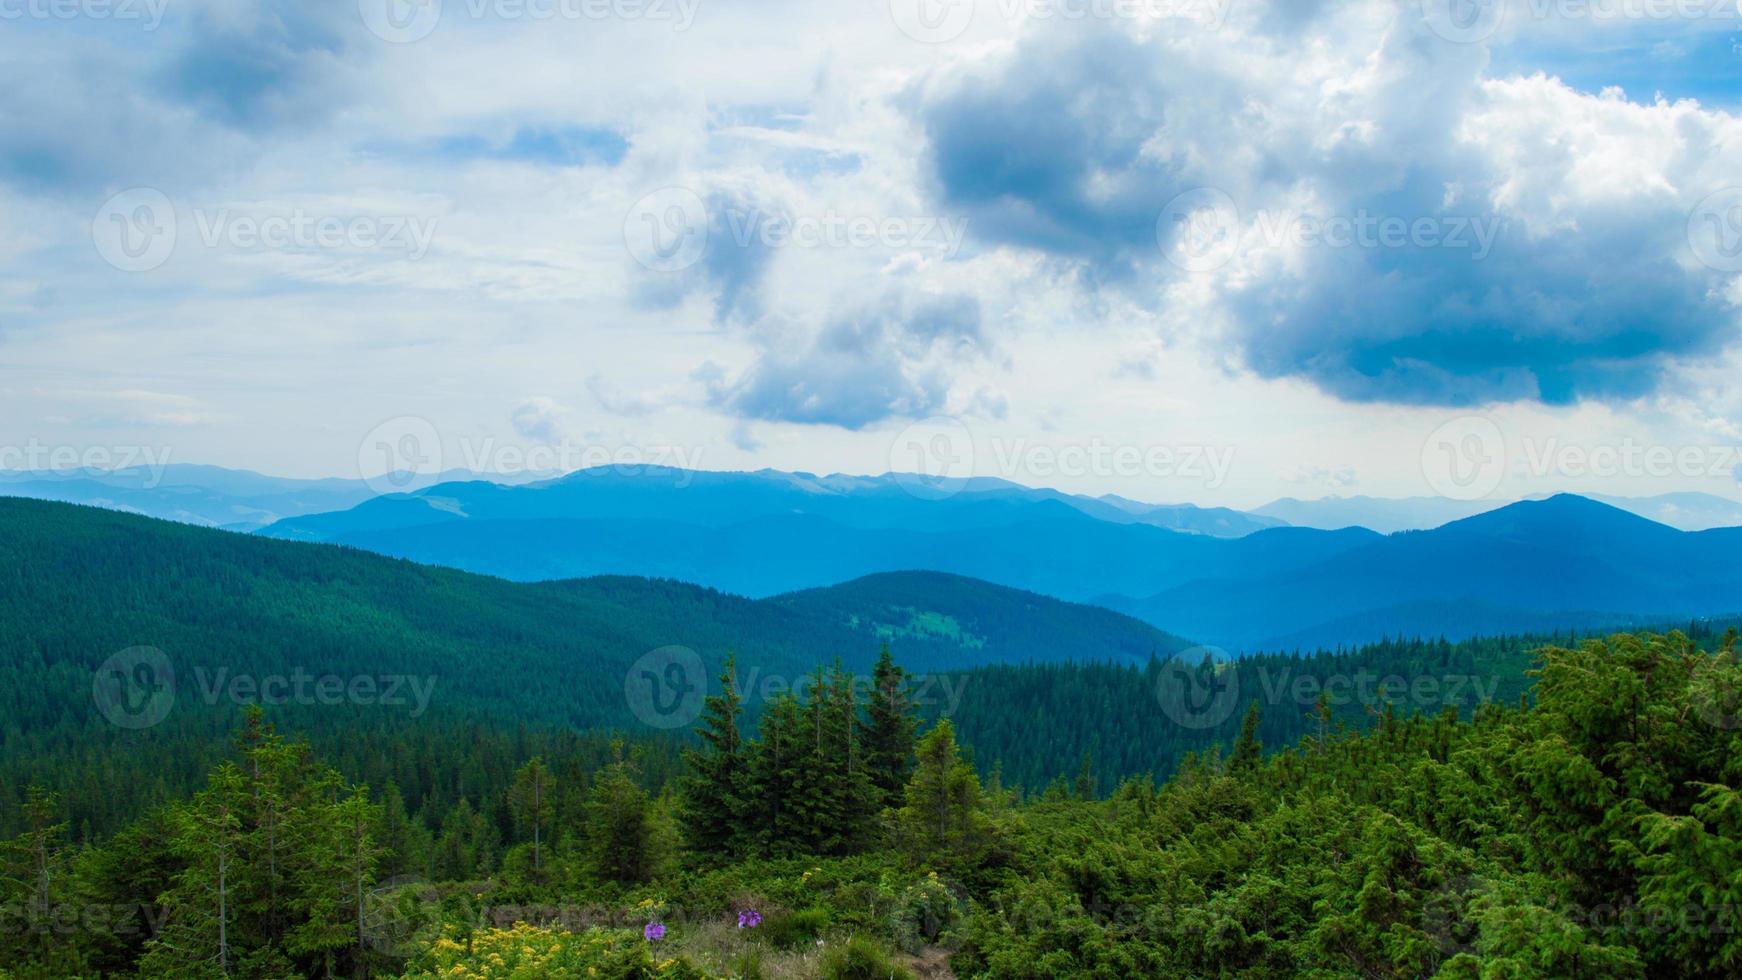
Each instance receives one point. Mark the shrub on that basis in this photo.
(785, 930)
(860, 958)
(926, 911)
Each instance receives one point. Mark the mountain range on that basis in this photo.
(212, 496)
(1562, 562)
(761, 534)
(1686, 511)
(1219, 576)
(1534, 566)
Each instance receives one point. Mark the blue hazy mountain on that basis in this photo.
(207, 495)
(1564, 561)
(1385, 515)
(1686, 511)
(760, 534)
(718, 499)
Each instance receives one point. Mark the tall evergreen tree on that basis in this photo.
(618, 829)
(198, 936)
(31, 873)
(1086, 777)
(1247, 748)
(339, 852)
(889, 730)
(532, 801)
(777, 808)
(713, 805)
(945, 819)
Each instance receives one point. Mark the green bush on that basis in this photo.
(861, 958)
(926, 912)
(785, 930)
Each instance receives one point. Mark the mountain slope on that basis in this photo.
(1684, 511)
(1067, 555)
(1566, 559)
(82, 584)
(192, 494)
(717, 499)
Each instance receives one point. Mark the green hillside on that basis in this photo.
(436, 647)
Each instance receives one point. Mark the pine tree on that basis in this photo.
(1247, 749)
(850, 799)
(889, 730)
(532, 801)
(338, 854)
(456, 855)
(31, 869)
(618, 829)
(714, 802)
(944, 820)
(777, 809)
(1086, 778)
(209, 834)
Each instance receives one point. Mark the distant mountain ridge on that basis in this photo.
(1684, 511)
(1562, 562)
(720, 498)
(210, 496)
(762, 534)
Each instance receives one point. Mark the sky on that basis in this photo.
(1217, 251)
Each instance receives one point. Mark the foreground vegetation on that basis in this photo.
(1596, 832)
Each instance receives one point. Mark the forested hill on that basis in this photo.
(82, 585)
(85, 583)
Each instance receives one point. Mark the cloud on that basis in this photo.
(886, 358)
(1545, 252)
(125, 135)
(559, 146)
(539, 419)
(251, 66)
(734, 262)
(138, 407)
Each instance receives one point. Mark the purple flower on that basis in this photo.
(654, 932)
(749, 919)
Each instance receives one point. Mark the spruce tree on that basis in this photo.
(532, 801)
(31, 871)
(1086, 778)
(777, 810)
(713, 806)
(1247, 749)
(618, 829)
(944, 821)
(198, 934)
(338, 854)
(889, 730)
